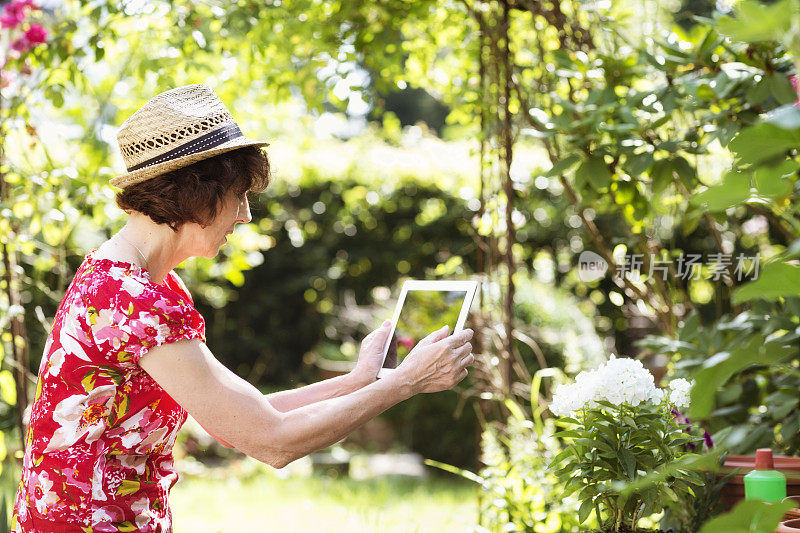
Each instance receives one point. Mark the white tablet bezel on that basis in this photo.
(470, 287)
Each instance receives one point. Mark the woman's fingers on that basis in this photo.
(435, 336)
(460, 371)
(460, 338)
(462, 351)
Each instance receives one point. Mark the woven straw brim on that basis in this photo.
(143, 174)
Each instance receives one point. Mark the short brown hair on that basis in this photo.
(194, 193)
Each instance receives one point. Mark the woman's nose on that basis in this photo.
(244, 211)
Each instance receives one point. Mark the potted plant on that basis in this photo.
(620, 427)
(738, 465)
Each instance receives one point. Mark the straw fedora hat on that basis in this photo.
(174, 129)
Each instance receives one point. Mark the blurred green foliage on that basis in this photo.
(750, 362)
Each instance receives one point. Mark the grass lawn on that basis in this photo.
(210, 504)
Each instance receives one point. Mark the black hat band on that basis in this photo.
(205, 142)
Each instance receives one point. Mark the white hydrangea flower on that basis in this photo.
(658, 396)
(625, 380)
(567, 399)
(618, 381)
(680, 391)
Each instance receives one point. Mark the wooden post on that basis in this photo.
(19, 339)
(508, 188)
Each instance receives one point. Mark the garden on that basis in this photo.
(620, 178)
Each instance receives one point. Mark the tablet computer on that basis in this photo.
(422, 308)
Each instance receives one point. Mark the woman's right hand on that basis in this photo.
(438, 362)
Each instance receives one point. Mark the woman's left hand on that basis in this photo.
(370, 357)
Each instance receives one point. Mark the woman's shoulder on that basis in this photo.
(110, 275)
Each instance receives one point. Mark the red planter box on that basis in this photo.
(733, 491)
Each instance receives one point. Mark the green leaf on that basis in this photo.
(572, 434)
(781, 88)
(593, 443)
(716, 370)
(758, 22)
(772, 182)
(661, 174)
(466, 474)
(594, 171)
(748, 516)
(687, 462)
(775, 280)
(763, 141)
(127, 486)
(686, 172)
(563, 165)
(563, 454)
(628, 462)
(8, 390)
(734, 189)
(88, 380)
(758, 93)
(781, 403)
(638, 164)
(515, 410)
(705, 92)
(585, 509)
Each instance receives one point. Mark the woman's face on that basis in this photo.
(234, 209)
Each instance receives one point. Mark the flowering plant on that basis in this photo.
(620, 428)
(13, 18)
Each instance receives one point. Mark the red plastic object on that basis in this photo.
(733, 491)
(764, 459)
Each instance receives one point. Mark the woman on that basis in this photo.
(126, 358)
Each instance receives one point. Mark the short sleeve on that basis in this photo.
(143, 315)
(164, 319)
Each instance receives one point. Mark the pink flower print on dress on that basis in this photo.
(123, 426)
(81, 415)
(134, 286)
(139, 433)
(54, 361)
(149, 326)
(143, 514)
(105, 327)
(72, 477)
(43, 494)
(105, 518)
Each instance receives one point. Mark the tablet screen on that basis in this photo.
(423, 312)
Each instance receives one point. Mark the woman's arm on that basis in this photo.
(236, 411)
(370, 359)
(287, 400)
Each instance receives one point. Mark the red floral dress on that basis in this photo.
(99, 448)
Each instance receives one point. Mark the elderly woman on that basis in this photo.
(126, 359)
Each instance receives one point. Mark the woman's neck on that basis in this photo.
(157, 247)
